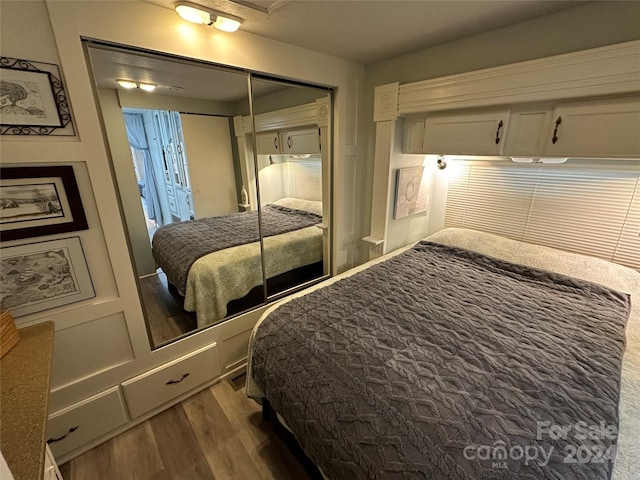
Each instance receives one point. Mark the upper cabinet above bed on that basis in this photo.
(583, 104)
(591, 128)
(471, 133)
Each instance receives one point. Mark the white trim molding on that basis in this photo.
(610, 70)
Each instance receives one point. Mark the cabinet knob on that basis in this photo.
(555, 130)
(500, 125)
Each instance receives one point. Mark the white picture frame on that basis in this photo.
(412, 194)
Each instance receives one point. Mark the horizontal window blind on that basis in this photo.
(592, 212)
(303, 179)
(628, 248)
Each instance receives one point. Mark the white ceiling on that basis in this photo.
(363, 31)
(369, 31)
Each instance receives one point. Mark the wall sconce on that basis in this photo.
(131, 85)
(206, 16)
(441, 163)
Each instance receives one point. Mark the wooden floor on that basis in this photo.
(217, 434)
(163, 311)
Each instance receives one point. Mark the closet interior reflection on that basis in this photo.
(223, 178)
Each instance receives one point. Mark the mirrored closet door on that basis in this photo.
(219, 220)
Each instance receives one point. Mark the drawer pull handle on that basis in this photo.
(500, 125)
(69, 432)
(289, 142)
(171, 382)
(555, 131)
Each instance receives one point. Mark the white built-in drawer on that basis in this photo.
(82, 422)
(161, 385)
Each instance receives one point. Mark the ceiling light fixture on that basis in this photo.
(147, 87)
(192, 12)
(128, 84)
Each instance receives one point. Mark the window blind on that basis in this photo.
(592, 212)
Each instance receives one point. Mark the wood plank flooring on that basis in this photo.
(163, 311)
(217, 434)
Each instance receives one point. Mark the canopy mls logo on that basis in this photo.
(593, 449)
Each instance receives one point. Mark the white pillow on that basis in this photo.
(313, 206)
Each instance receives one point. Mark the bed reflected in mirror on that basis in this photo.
(206, 209)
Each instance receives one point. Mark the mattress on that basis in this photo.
(593, 270)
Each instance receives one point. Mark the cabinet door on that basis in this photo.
(600, 128)
(474, 133)
(51, 471)
(268, 143)
(528, 131)
(413, 135)
(301, 141)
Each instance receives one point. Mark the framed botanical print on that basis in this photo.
(37, 201)
(32, 99)
(43, 275)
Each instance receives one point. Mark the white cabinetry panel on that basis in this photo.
(85, 421)
(528, 132)
(268, 143)
(160, 385)
(603, 128)
(301, 141)
(413, 135)
(465, 133)
(51, 471)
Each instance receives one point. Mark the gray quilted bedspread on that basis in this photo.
(177, 246)
(442, 363)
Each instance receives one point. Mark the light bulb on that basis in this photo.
(193, 14)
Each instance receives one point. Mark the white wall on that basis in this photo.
(208, 146)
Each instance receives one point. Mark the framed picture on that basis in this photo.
(32, 99)
(36, 201)
(412, 193)
(43, 275)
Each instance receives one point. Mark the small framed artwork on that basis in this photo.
(412, 193)
(36, 201)
(32, 99)
(44, 275)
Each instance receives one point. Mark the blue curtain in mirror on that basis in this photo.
(138, 139)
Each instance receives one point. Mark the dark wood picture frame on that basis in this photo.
(38, 201)
(32, 99)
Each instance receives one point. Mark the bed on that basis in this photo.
(526, 351)
(216, 260)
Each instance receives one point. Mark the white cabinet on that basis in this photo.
(464, 133)
(268, 143)
(528, 131)
(605, 128)
(171, 380)
(79, 424)
(51, 471)
(290, 142)
(301, 141)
